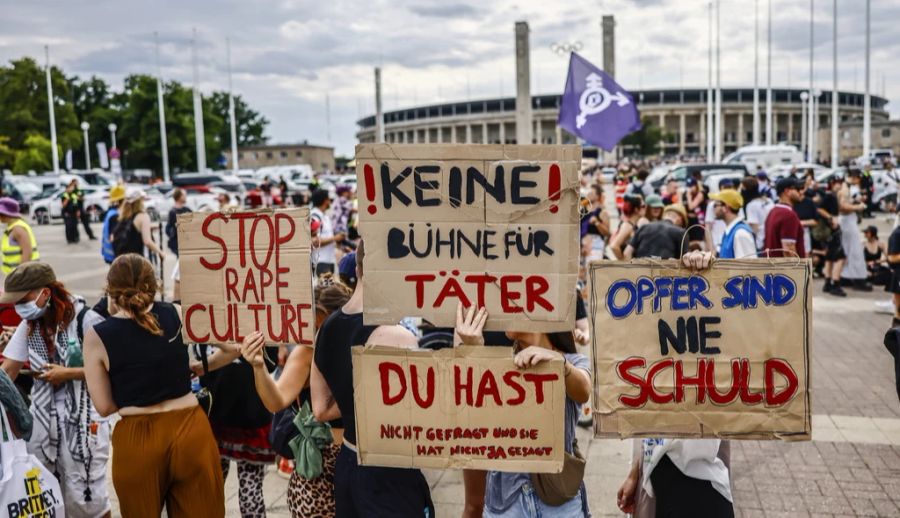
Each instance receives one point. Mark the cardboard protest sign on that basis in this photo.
(464, 407)
(243, 272)
(489, 225)
(724, 353)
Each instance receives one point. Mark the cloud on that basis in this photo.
(287, 55)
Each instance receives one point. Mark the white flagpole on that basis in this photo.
(835, 156)
(812, 91)
(328, 118)
(867, 108)
(162, 114)
(719, 122)
(199, 137)
(231, 115)
(709, 93)
(770, 122)
(54, 150)
(756, 73)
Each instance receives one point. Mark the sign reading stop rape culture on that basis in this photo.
(724, 353)
(246, 271)
(463, 407)
(484, 225)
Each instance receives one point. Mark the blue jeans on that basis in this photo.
(529, 505)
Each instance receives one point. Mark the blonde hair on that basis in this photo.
(131, 209)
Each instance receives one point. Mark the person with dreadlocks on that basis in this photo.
(69, 437)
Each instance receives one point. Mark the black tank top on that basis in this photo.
(134, 241)
(338, 334)
(145, 369)
(870, 257)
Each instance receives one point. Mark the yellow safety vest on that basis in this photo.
(12, 252)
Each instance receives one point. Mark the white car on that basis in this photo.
(802, 169)
(46, 209)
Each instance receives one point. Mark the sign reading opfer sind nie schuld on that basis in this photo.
(246, 271)
(464, 407)
(483, 225)
(723, 353)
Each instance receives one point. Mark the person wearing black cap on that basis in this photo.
(784, 232)
(324, 244)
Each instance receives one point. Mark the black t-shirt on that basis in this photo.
(580, 309)
(894, 245)
(830, 203)
(171, 227)
(333, 358)
(659, 239)
(806, 208)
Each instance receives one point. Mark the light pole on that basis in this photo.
(87, 148)
(803, 98)
(112, 131)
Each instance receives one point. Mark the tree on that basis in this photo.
(251, 125)
(645, 141)
(92, 102)
(36, 155)
(23, 105)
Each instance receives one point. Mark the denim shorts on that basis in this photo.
(529, 505)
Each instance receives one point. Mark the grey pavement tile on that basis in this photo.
(886, 507)
(753, 513)
(786, 514)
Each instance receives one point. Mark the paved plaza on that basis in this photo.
(850, 468)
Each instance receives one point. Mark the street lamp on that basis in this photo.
(112, 130)
(87, 149)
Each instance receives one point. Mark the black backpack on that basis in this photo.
(120, 236)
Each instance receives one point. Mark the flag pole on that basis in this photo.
(867, 108)
(231, 114)
(709, 90)
(719, 125)
(770, 122)
(835, 155)
(199, 134)
(755, 73)
(162, 114)
(811, 141)
(54, 151)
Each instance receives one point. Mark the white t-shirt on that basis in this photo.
(744, 242)
(696, 458)
(755, 213)
(323, 254)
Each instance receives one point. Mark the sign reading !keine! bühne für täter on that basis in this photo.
(484, 225)
(463, 407)
(246, 271)
(721, 353)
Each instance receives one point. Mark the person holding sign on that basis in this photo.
(136, 364)
(663, 239)
(679, 477)
(514, 494)
(738, 240)
(360, 490)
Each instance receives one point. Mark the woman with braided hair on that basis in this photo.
(136, 364)
(69, 436)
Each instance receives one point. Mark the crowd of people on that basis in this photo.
(186, 412)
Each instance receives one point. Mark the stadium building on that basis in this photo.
(681, 113)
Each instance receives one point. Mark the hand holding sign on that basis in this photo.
(471, 326)
(252, 349)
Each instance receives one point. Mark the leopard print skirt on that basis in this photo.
(314, 498)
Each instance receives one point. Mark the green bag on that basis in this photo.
(307, 445)
(821, 232)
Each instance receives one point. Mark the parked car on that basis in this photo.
(21, 190)
(46, 209)
(765, 156)
(780, 171)
(876, 158)
(682, 172)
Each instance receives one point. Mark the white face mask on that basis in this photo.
(30, 310)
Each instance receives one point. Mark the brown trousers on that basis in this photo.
(170, 459)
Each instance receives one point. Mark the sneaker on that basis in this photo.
(885, 306)
(828, 285)
(837, 291)
(285, 467)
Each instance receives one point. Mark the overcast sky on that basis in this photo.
(288, 55)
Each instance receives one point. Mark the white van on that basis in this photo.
(765, 156)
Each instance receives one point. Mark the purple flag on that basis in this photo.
(594, 107)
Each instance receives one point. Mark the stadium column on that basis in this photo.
(440, 135)
(703, 130)
(468, 133)
(740, 130)
(484, 133)
(681, 136)
(774, 127)
(790, 135)
(662, 127)
(558, 135)
(502, 132)
(453, 134)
